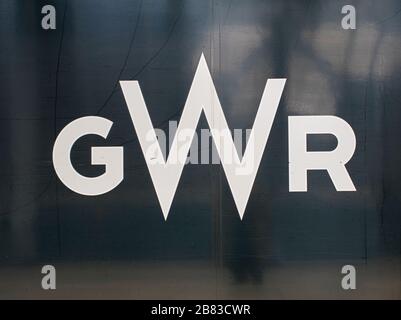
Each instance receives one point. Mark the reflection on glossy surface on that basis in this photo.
(289, 245)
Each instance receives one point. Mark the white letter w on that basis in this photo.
(203, 96)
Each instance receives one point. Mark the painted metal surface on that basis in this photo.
(289, 245)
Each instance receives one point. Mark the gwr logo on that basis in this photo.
(202, 96)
